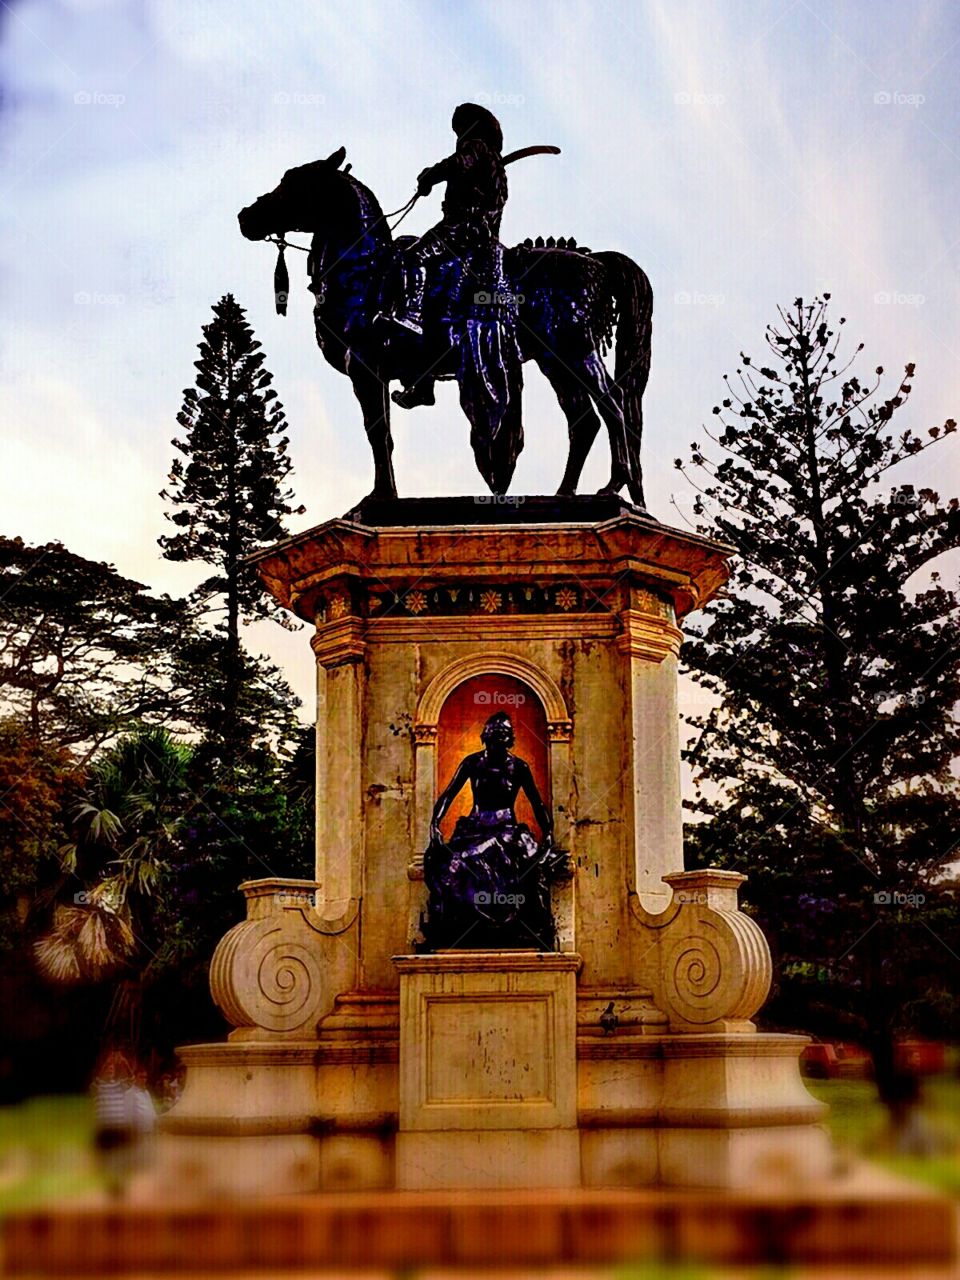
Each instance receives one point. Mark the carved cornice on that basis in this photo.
(617, 1048)
(485, 628)
(453, 596)
(646, 636)
(589, 559)
(485, 961)
(338, 642)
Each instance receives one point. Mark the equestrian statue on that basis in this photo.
(455, 303)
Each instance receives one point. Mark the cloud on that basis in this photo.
(742, 154)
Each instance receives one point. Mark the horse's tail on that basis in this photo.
(634, 301)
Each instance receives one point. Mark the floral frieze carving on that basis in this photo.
(487, 599)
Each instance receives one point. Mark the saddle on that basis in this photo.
(459, 288)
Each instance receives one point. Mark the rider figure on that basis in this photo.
(472, 207)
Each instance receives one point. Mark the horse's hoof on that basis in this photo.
(375, 495)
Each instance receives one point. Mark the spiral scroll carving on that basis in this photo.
(715, 968)
(270, 974)
(693, 974)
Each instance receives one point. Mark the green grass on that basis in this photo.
(45, 1123)
(858, 1123)
(46, 1144)
(46, 1151)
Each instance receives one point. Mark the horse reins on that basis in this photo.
(281, 276)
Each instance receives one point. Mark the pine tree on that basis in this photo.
(228, 486)
(824, 765)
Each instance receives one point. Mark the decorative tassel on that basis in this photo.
(281, 283)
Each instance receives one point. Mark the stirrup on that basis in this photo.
(407, 322)
(411, 322)
(420, 393)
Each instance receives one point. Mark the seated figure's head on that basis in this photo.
(498, 731)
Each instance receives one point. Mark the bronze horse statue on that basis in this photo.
(567, 304)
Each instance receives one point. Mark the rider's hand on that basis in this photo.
(424, 183)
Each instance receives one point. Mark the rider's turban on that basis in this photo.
(473, 121)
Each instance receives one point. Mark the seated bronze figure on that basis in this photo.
(490, 884)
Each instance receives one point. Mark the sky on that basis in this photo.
(743, 153)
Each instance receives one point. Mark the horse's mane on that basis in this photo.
(370, 212)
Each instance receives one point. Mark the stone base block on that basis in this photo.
(356, 1162)
(733, 1081)
(192, 1166)
(488, 1070)
(244, 1088)
(491, 1095)
(787, 1157)
(619, 1157)
(488, 1158)
(261, 1118)
(199, 1165)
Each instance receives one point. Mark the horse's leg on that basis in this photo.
(371, 391)
(607, 398)
(582, 421)
(635, 483)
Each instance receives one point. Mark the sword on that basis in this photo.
(530, 151)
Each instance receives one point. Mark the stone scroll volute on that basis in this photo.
(274, 975)
(707, 963)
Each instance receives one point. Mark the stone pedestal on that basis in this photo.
(488, 1070)
(629, 1057)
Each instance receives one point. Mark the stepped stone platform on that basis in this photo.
(866, 1220)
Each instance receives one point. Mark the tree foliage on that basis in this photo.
(83, 650)
(824, 764)
(227, 487)
(125, 828)
(142, 852)
(38, 782)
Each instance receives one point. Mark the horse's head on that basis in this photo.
(306, 199)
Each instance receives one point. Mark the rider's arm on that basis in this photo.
(435, 173)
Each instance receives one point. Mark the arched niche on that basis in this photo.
(462, 717)
(557, 728)
(479, 664)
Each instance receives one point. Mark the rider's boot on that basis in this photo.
(411, 317)
(420, 392)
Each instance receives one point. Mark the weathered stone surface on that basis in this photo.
(708, 964)
(276, 973)
(611, 1063)
(488, 1069)
(488, 1040)
(585, 616)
